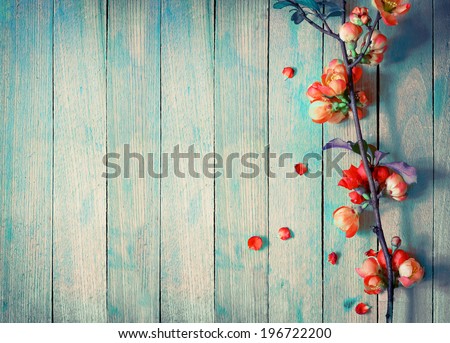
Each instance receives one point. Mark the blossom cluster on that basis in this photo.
(407, 270)
(388, 183)
(330, 99)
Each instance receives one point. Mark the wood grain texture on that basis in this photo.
(133, 200)
(79, 146)
(26, 161)
(187, 202)
(295, 265)
(406, 131)
(241, 127)
(441, 265)
(343, 288)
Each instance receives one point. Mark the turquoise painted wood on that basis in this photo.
(133, 116)
(406, 86)
(81, 79)
(26, 162)
(241, 98)
(441, 170)
(295, 266)
(187, 202)
(79, 199)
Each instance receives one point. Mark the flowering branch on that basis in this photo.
(333, 100)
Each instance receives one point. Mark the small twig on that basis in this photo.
(368, 42)
(374, 201)
(344, 14)
(313, 24)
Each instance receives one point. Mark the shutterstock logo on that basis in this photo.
(191, 163)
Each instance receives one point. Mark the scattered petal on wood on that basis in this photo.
(362, 308)
(288, 72)
(300, 168)
(255, 243)
(332, 258)
(284, 233)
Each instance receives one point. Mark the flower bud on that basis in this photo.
(350, 32)
(360, 16)
(288, 72)
(396, 242)
(396, 187)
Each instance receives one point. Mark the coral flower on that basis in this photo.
(374, 284)
(360, 16)
(353, 177)
(335, 76)
(369, 267)
(396, 187)
(380, 174)
(373, 59)
(390, 9)
(322, 111)
(317, 91)
(356, 198)
(347, 220)
(398, 258)
(378, 42)
(411, 272)
(350, 32)
(362, 99)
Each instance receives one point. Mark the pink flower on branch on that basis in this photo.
(391, 9)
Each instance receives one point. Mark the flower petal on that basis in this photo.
(362, 308)
(301, 168)
(332, 258)
(284, 233)
(255, 243)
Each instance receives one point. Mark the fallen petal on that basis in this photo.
(255, 243)
(332, 258)
(300, 168)
(284, 233)
(362, 308)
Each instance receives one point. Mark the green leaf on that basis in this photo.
(309, 3)
(355, 147)
(281, 4)
(334, 14)
(297, 17)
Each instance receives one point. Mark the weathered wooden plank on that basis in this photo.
(133, 199)
(441, 162)
(79, 146)
(343, 288)
(241, 127)
(406, 131)
(187, 201)
(26, 161)
(295, 265)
